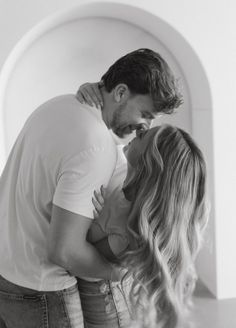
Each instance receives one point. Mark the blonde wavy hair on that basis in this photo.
(166, 221)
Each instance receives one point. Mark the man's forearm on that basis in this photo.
(87, 262)
(104, 248)
(68, 247)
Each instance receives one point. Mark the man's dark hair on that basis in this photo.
(146, 72)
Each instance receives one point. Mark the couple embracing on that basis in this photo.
(92, 236)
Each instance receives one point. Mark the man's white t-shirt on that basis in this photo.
(63, 153)
(112, 221)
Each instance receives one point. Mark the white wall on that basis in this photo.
(210, 28)
(56, 62)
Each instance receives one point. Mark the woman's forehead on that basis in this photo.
(153, 130)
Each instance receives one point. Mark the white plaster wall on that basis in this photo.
(210, 27)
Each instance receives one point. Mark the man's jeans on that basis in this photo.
(105, 304)
(26, 308)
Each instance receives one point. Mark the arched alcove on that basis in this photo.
(78, 45)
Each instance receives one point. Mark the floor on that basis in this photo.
(211, 313)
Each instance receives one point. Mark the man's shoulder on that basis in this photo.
(70, 126)
(61, 101)
(68, 110)
(52, 106)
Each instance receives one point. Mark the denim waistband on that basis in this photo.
(102, 286)
(6, 285)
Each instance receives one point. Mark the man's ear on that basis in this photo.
(121, 93)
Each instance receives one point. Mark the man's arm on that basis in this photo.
(104, 248)
(113, 246)
(68, 247)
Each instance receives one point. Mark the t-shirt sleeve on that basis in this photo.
(79, 177)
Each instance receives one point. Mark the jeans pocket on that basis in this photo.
(24, 311)
(126, 287)
(72, 306)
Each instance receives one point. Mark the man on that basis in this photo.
(63, 153)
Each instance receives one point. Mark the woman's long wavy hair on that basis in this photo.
(167, 218)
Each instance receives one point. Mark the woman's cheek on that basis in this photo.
(132, 157)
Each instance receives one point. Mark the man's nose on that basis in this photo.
(147, 123)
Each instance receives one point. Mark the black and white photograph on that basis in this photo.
(117, 164)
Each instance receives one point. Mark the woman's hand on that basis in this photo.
(98, 201)
(90, 93)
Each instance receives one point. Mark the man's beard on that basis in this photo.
(121, 129)
(116, 125)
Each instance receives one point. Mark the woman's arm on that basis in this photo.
(90, 93)
(111, 245)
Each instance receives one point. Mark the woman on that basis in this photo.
(153, 227)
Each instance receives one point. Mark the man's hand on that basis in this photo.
(90, 93)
